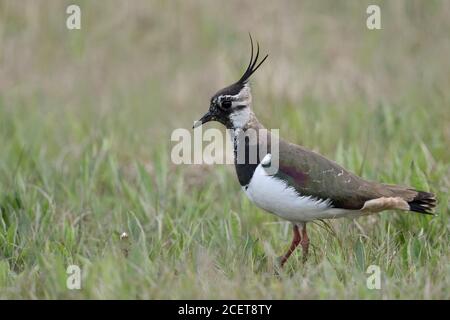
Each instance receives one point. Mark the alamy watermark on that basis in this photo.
(73, 21)
(373, 21)
(211, 146)
(373, 281)
(73, 281)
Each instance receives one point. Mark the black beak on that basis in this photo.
(206, 118)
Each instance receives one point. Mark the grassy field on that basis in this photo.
(85, 124)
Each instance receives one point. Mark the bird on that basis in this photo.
(305, 186)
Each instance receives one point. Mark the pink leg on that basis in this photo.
(295, 242)
(305, 243)
(300, 237)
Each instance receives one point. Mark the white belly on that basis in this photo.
(275, 196)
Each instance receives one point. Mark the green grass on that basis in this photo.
(85, 121)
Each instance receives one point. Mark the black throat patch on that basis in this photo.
(245, 166)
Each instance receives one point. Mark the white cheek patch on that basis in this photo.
(240, 106)
(239, 118)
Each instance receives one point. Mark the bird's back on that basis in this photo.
(312, 174)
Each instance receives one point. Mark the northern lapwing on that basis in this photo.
(306, 186)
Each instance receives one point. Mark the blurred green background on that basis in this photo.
(85, 123)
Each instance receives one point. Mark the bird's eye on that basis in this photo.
(226, 104)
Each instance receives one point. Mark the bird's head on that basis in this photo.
(231, 105)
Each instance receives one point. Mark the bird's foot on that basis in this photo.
(278, 265)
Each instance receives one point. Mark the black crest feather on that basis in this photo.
(251, 66)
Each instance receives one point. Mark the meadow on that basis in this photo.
(85, 123)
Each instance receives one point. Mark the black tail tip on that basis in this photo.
(423, 202)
